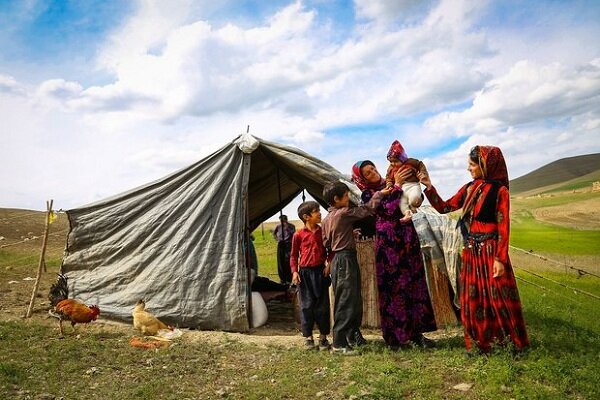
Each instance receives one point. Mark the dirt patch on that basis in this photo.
(583, 215)
(280, 331)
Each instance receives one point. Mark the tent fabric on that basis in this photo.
(178, 242)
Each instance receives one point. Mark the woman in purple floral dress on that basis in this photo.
(404, 303)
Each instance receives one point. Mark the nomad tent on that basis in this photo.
(179, 242)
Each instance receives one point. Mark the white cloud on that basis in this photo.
(528, 93)
(200, 70)
(307, 138)
(9, 84)
(59, 89)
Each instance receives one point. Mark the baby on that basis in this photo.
(412, 196)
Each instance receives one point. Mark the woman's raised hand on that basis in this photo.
(424, 178)
(401, 176)
(387, 190)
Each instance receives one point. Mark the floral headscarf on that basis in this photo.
(397, 151)
(360, 180)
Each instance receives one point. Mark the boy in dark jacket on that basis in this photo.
(338, 238)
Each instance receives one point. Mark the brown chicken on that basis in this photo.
(146, 322)
(66, 309)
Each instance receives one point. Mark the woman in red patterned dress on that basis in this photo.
(489, 298)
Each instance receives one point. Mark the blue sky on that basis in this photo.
(97, 97)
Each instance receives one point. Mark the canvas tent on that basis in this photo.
(179, 242)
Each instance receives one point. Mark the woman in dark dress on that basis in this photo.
(404, 303)
(489, 299)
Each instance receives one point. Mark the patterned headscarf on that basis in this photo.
(397, 151)
(493, 165)
(360, 181)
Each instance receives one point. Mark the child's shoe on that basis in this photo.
(343, 351)
(323, 344)
(356, 339)
(309, 344)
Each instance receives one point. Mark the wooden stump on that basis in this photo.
(365, 251)
(437, 283)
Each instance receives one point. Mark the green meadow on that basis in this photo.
(531, 234)
(98, 362)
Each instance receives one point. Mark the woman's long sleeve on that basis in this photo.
(453, 203)
(503, 220)
(389, 205)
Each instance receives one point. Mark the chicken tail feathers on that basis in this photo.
(59, 291)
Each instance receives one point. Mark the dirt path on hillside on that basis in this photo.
(583, 215)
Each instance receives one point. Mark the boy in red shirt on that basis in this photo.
(307, 261)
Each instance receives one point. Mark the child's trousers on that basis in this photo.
(347, 312)
(412, 196)
(314, 301)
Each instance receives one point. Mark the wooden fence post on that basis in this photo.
(42, 263)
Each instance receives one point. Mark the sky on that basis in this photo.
(101, 96)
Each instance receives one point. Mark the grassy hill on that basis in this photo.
(560, 173)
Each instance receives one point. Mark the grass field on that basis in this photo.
(530, 234)
(98, 362)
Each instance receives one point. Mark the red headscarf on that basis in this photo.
(359, 179)
(397, 151)
(493, 167)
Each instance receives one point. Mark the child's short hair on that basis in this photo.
(307, 208)
(333, 189)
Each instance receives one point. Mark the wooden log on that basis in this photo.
(42, 262)
(365, 251)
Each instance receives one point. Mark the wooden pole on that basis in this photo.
(42, 262)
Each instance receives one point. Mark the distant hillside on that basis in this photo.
(557, 172)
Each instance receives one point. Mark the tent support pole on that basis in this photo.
(246, 162)
(42, 263)
(279, 192)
